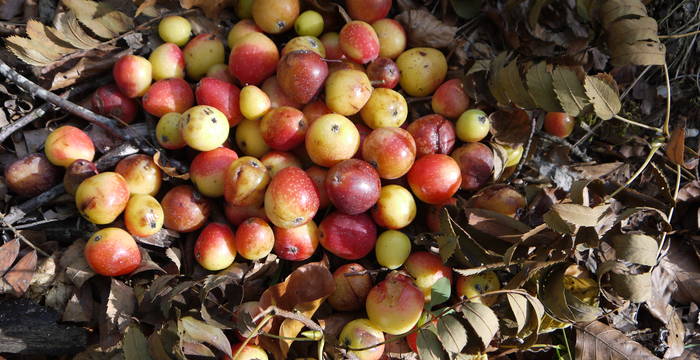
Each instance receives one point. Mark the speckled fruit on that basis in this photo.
(112, 252)
(204, 127)
(301, 74)
(291, 198)
(168, 132)
(422, 70)
(390, 150)
(143, 215)
(215, 247)
(31, 175)
(350, 237)
(395, 304)
(352, 186)
(253, 58)
(208, 170)
(283, 128)
(383, 73)
(254, 238)
(168, 95)
(101, 198)
(67, 144)
(297, 243)
(352, 284)
(223, 96)
(359, 42)
(185, 209)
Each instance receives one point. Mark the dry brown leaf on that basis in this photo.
(77, 269)
(8, 255)
(675, 148)
(169, 170)
(599, 341)
(20, 276)
(424, 29)
(603, 96)
(100, 18)
(510, 128)
(290, 328)
(569, 89)
(211, 8)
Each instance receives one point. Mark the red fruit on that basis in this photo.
(353, 186)
(277, 97)
(395, 304)
(450, 99)
(208, 170)
(383, 73)
(427, 268)
(31, 175)
(359, 42)
(433, 135)
(215, 248)
(350, 237)
(111, 102)
(432, 218)
(291, 198)
(391, 150)
(275, 161)
(476, 163)
(169, 95)
(185, 209)
(253, 58)
(301, 75)
(318, 176)
(434, 178)
(254, 239)
(112, 252)
(368, 10)
(237, 214)
(132, 74)
(331, 41)
(221, 95)
(350, 290)
(559, 124)
(67, 144)
(297, 243)
(283, 128)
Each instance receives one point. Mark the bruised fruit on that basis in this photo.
(392, 37)
(395, 304)
(175, 29)
(254, 239)
(383, 73)
(75, 173)
(360, 334)
(350, 237)
(291, 198)
(331, 139)
(352, 186)
(168, 132)
(283, 128)
(245, 182)
(450, 99)
(422, 70)
(253, 58)
(208, 170)
(133, 75)
(141, 173)
(112, 252)
(204, 127)
(476, 163)
(167, 61)
(301, 75)
(185, 209)
(352, 284)
(215, 248)
(110, 102)
(249, 138)
(143, 215)
(66, 144)
(395, 208)
(101, 198)
(433, 135)
(254, 102)
(31, 175)
(223, 96)
(390, 150)
(427, 268)
(275, 16)
(347, 91)
(470, 287)
(434, 178)
(297, 243)
(392, 249)
(359, 42)
(500, 198)
(385, 108)
(201, 53)
(166, 96)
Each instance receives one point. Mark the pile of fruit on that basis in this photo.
(305, 144)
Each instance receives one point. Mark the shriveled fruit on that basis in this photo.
(112, 252)
(143, 215)
(31, 175)
(433, 135)
(245, 182)
(476, 163)
(185, 209)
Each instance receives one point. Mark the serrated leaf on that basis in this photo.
(612, 10)
(104, 21)
(556, 223)
(630, 30)
(633, 287)
(447, 245)
(599, 341)
(519, 308)
(483, 321)
(638, 53)
(541, 86)
(579, 215)
(24, 49)
(561, 303)
(495, 79)
(479, 65)
(514, 87)
(135, 344)
(636, 248)
(439, 292)
(605, 99)
(40, 33)
(202, 332)
(451, 333)
(570, 92)
(8, 255)
(429, 347)
(67, 28)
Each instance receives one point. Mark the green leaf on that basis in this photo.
(514, 87)
(495, 78)
(429, 347)
(541, 86)
(483, 321)
(603, 96)
(447, 245)
(202, 332)
(451, 333)
(636, 248)
(569, 90)
(135, 345)
(440, 292)
(466, 9)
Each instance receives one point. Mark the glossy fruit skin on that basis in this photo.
(112, 252)
(476, 163)
(291, 198)
(283, 128)
(559, 124)
(220, 72)
(201, 53)
(331, 139)
(254, 102)
(245, 182)
(185, 209)
(277, 97)
(350, 237)
(392, 249)
(450, 99)
(427, 268)
(297, 243)
(67, 144)
(75, 174)
(395, 304)
(361, 333)
(237, 214)
(500, 198)
(331, 42)
(473, 285)
(433, 135)
(133, 75)
(275, 161)
(318, 176)
(215, 248)
(350, 290)
(254, 239)
(168, 95)
(383, 73)
(208, 170)
(143, 215)
(422, 70)
(308, 43)
(395, 208)
(204, 127)
(309, 23)
(141, 173)
(434, 178)
(253, 59)
(31, 175)
(473, 125)
(353, 186)
(392, 37)
(241, 29)
(110, 102)
(175, 29)
(368, 10)
(385, 108)
(101, 198)
(250, 352)
(347, 91)
(167, 61)
(301, 74)
(359, 42)
(315, 110)
(275, 16)
(390, 150)
(223, 96)
(249, 138)
(168, 132)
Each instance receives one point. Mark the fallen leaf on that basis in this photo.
(20, 276)
(428, 345)
(570, 92)
(425, 30)
(514, 86)
(8, 255)
(636, 248)
(603, 96)
(135, 344)
(211, 8)
(451, 333)
(169, 170)
(540, 83)
(100, 18)
(120, 306)
(77, 269)
(675, 148)
(598, 341)
(204, 333)
(482, 320)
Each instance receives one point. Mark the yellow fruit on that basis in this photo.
(422, 70)
(392, 249)
(175, 29)
(385, 108)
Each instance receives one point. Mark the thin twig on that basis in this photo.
(639, 171)
(257, 329)
(26, 241)
(638, 124)
(678, 36)
(672, 210)
(668, 102)
(574, 150)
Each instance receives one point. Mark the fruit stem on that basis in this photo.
(257, 329)
(668, 102)
(677, 188)
(654, 148)
(632, 122)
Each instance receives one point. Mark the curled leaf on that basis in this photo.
(424, 29)
(636, 248)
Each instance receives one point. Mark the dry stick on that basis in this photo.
(526, 151)
(574, 150)
(678, 36)
(8, 130)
